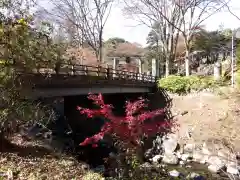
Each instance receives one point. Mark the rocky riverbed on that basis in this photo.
(192, 160)
(204, 147)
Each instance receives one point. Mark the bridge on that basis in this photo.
(67, 87)
(70, 80)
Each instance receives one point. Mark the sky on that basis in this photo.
(120, 26)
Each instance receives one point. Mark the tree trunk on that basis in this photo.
(167, 66)
(100, 47)
(187, 63)
(2, 139)
(100, 55)
(140, 154)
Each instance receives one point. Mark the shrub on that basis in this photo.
(174, 84)
(25, 49)
(185, 84)
(128, 131)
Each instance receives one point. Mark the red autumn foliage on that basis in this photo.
(128, 129)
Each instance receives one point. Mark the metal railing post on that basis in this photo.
(108, 72)
(72, 70)
(98, 70)
(114, 67)
(85, 70)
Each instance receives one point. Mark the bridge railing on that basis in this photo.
(106, 72)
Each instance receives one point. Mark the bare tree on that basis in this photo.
(193, 14)
(87, 19)
(184, 16)
(164, 16)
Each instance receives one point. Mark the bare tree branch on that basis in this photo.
(86, 19)
(183, 16)
(190, 17)
(161, 16)
(230, 11)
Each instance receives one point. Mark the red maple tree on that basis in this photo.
(129, 129)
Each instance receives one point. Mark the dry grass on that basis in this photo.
(31, 162)
(210, 117)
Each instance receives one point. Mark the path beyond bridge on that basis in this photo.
(71, 80)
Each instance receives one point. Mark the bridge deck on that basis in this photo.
(85, 76)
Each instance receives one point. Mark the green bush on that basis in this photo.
(185, 84)
(174, 84)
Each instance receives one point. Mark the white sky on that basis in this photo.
(119, 26)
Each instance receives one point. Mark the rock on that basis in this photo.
(214, 168)
(174, 173)
(184, 157)
(232, 163)
(197, 156)
(223, 153)
(178, 154)
(158, 140)
(85, 166)
(232, 169)
(148, 154)
(192, 175)
(156, 158)
(188, 148)
(162, 165)
(216, 161)
(204, 160)
(170, 159)
(157, 143)
(100, 169)
(181, 162)
(199, 178)
(169, 145)
(205, 150)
